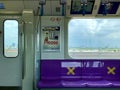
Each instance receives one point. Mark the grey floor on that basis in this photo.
(18, 88)
(82, 89)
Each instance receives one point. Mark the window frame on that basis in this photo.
(92, 55)
(4, 39)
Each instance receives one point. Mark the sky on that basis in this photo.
(94, 33)
(11, 33)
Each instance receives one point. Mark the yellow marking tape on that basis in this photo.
(71, 71)
(111, 70)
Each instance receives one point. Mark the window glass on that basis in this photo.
(93, 35)
(11, 38)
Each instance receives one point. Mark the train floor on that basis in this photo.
(18, 88)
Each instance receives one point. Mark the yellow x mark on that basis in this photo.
(111, 70)
(71, 71)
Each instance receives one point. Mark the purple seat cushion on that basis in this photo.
(116, 83)
(74, 83)
(49, 84)
(101, 83)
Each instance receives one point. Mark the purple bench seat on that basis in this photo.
(101, 83)
(95, 73)
(116, 83)
(82, 83)
(74, 83)
(50, 84)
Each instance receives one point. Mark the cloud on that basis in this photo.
(115, 35)
(94, 32)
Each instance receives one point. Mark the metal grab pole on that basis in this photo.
(83, 10)
(63, 9)
(104, 10)
(42, 10)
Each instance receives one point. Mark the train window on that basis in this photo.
(10, 38)
(93, 37)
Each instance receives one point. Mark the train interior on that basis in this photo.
(59, 45)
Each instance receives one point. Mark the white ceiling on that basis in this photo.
(19, 5)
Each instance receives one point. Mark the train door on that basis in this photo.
(10, 51)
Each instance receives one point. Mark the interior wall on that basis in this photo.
(47, 22)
